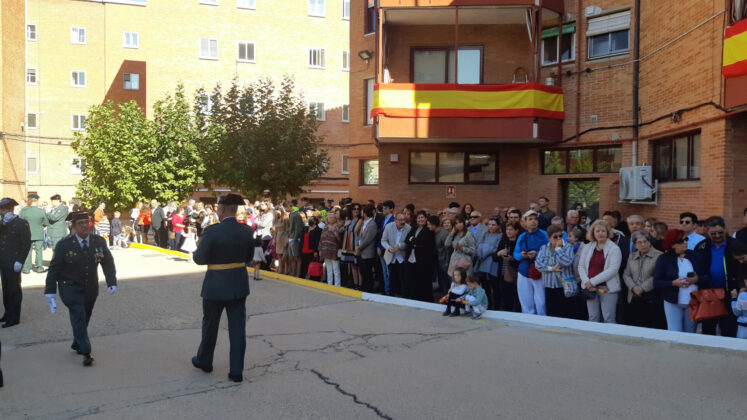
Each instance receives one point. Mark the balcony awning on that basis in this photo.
(456, 100)
(735, 50)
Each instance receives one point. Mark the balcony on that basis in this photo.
(555, 5)
(512, 113)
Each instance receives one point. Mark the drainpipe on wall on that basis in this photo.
(636, 77)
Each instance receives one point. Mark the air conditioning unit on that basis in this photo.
(637, 183)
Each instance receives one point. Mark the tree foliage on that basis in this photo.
(259, 139)
(126, 157)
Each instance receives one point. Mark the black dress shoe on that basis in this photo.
(10, 324)
(2, 319)
(236, 378)
(1, 378)
(87, 360)
(197, 364)
(75, 347)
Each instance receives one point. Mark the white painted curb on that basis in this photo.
(673, 337)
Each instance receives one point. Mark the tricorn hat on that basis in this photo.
(56, 197)
(77, 215)
(231, 199)
(8, 202)
(33, 196)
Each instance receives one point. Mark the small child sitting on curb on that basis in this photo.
(476, 299)
(456, 292)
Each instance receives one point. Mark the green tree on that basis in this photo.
(259, 139)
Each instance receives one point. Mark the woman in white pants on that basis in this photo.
(598, 268)
(531, 290)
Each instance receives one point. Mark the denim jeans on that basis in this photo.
(678, 317)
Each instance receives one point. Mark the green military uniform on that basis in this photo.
(57, 226)
(37, 220)
(225, 248)
(15, 241)
(75, 269)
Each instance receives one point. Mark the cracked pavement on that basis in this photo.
(317, 355)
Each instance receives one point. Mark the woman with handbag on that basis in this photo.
(509, 299)
(487, 262)
(555, 262)
(529, 283)
(421, 260)
(310, 249)
(352, 228)
(598, 268)
(639, 277)
(463, 247)
(677, 273)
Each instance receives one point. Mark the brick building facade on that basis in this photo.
(691, 126)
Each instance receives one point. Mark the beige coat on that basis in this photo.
(612, 261)
(640, 271)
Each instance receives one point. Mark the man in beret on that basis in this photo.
(74, 267)
(37, 219)
(225, 248)
(15, 243)
(56, 219)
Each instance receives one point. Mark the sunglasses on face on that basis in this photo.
(474, 217)
(557, 237)
(717, 233)
(686, 222)
(681, 241)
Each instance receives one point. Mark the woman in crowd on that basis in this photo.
(282, 226)
(555, 261)
(648, 227)
(178, 223)
(639, 278)
(143, 224)
(529, 283)
(263, 225)
(421, 258)
(598, 268)
(442, 251)
(677, 273)
(310, 246)
(329, 245)
(487, 264)
(509, 268)
(467, 210)
(463, 247)
(660, 230)
(353, 226)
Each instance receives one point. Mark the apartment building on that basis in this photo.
(499, 102)
(79, 53)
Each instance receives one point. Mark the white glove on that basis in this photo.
(17, 267)
(112, 290)
(52, 302)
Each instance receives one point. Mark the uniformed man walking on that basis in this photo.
(74, 267)
(15, 243)
(225, 248)
(37, 219)
(56, 219)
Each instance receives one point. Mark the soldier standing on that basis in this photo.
(74, 267)
(15, 243)
(37, 219)
(225, 248)
(57, 227)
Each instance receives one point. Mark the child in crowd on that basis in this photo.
(116, 229)
(259, 257)
(477, 300)
(124, 238)
(104, 229)
(739, 307)
(456, 291)
(190, 244)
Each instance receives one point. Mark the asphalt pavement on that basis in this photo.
(314, 354)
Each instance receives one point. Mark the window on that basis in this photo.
(582, 161)
(208, 48)
(132, 81)
(678, 158)
(209, 2)
(77, 35)
(317, 108)
(369, 172)
(131, 40)
(609, 35)
(316, 8)
(78, 79)
(567, 44)
(32, 165)
(346, 9)
(346, 61)
(31, 121)
(437, 65)
(246, 51)
(78, 122)
(369, 100)
(76, 166)
(30, 76)
(346, 113)
(345, 164)
(453, 167)
(31, 32)
(369, 25)
(316, 58)
(246, 4)
(206, 103)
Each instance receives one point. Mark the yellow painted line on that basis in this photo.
(155, 248)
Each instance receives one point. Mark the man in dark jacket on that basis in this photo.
(717, 254)
(225, 248)
(74, 267)
(15, 244)
(158, 224)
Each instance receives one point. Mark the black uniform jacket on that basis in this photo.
(77, 272)
(225, 243)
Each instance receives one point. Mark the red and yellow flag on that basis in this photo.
(735, 50)
(455, 100)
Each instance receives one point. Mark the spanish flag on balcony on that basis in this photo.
(455, 100)
(735, 50)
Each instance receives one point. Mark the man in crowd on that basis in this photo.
(158, 224)
(476, 226)
(74, 267)
(57, 224)
(295, 236)
(531, 290)
(688, 223)
(572, 221)
(366, 248)
(37, 220)
(393, 241)
(545, 214)
(15, 244)
(387, 213)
